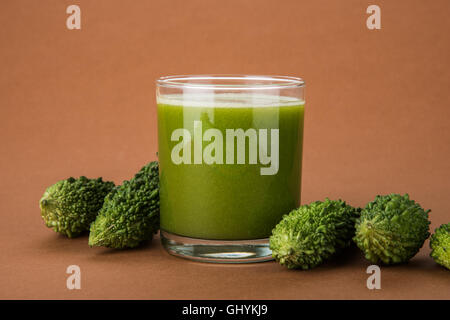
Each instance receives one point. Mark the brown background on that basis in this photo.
(82, 102)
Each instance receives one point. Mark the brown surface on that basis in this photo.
(82, 103)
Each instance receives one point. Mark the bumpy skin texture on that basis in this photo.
(311, 234)
(392, 229)
(130, 213)
(440, 245)
(69, 206)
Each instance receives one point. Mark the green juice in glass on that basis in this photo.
(228, 197)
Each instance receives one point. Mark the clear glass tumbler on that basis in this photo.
(230, 154)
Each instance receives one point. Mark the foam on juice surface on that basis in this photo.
(228, 100)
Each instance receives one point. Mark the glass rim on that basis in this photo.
(260, 82)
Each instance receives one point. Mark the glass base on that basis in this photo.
(217, 251)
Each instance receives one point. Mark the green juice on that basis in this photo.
(228, 200)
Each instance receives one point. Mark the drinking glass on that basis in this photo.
(230, 156)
